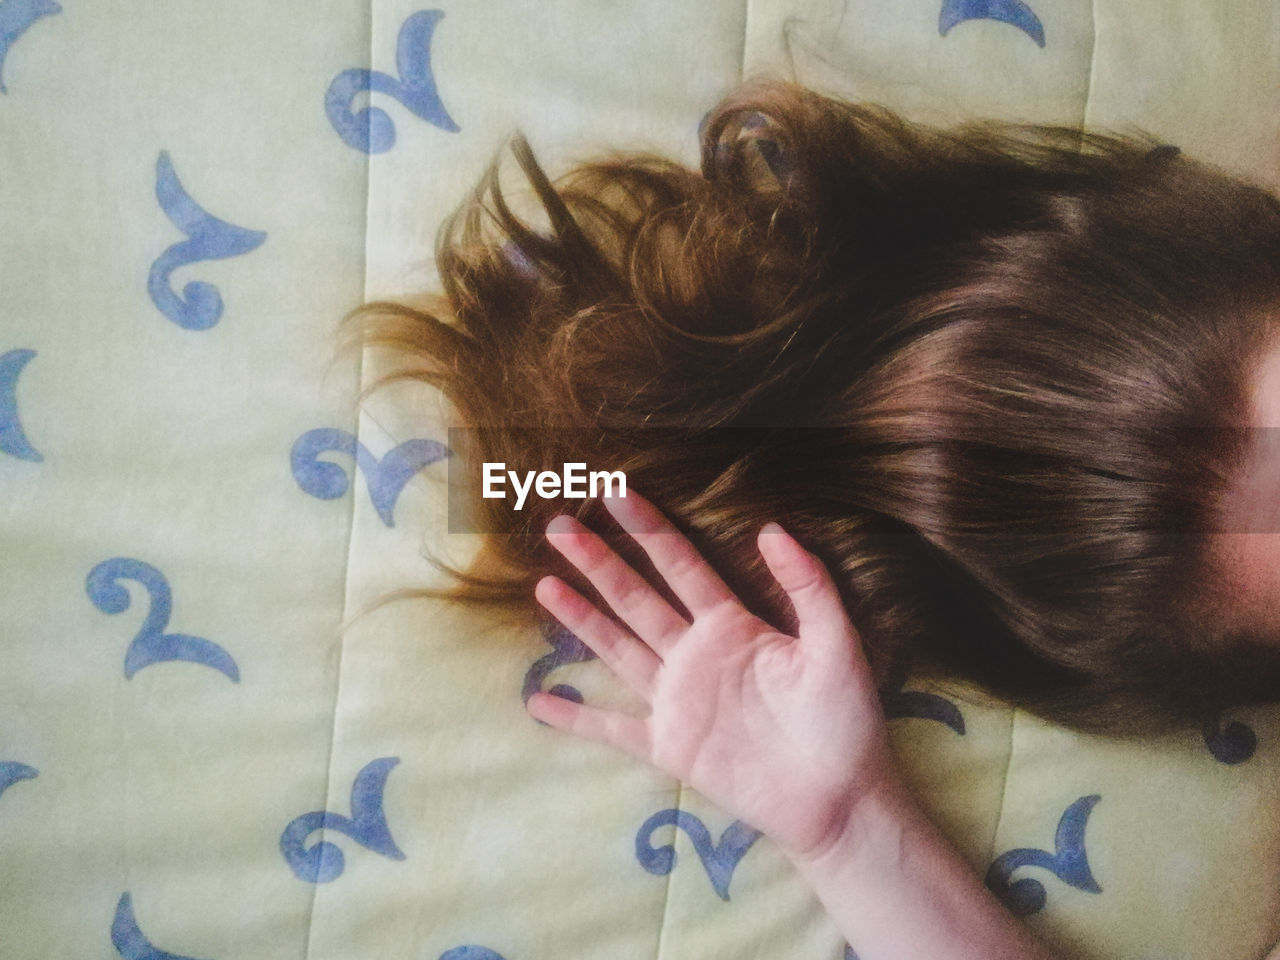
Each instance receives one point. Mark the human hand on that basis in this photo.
(786, 733)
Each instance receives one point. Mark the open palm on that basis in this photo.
(784, 732)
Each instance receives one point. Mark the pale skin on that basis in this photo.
(1247, 558)
(784, 732)
(1249, 562)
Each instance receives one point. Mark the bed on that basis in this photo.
(215, 744)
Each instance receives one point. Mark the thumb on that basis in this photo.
(819, 610)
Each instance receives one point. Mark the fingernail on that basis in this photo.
(771, 528)
(560, 523)
(614, 504)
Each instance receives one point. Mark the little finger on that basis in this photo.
(627, 733)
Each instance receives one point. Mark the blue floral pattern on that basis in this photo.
(323, 861)
(1013, 12)
(128, 938)
(1068, 862)
(385, 477)
(12, 772)
(566, 648)
(13, 441)
(371, 129)
(16, 17)
(718, 859)
(87, 82)
(1232, 743)
(151, 644)
(902, 704)
(208, 238)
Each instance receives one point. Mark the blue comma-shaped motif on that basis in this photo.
(1068, 863)
(385, 477)
(566, 648)
(12, 439)
(902, 704)
(11, 772)
(470, 952)
(370, 129)
(849, 954)
(367, 825)
(208, 238)
(718, 859)
(1013, 12)
(1231, 744)
(152, 644)
(129, 940)
(15, 17)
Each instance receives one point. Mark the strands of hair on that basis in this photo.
(988, 374)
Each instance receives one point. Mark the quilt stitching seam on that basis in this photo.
(1093, 64)
(666, 893)
(351, 523)
(1004, 786)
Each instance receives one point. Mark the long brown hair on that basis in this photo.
(989, 374)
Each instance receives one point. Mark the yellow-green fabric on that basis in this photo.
(194, 516)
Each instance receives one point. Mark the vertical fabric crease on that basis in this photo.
(351, 514)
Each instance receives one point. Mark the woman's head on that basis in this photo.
(998, 377)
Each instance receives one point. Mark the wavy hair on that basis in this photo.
(992, 375)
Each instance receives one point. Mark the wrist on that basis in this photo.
(870, 827)
(897, 888)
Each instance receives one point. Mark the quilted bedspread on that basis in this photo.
(214, 745)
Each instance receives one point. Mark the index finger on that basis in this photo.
(690, 577)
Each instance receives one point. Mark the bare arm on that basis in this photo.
(897, 889)
(784, 732)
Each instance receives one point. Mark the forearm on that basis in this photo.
(897, 890)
